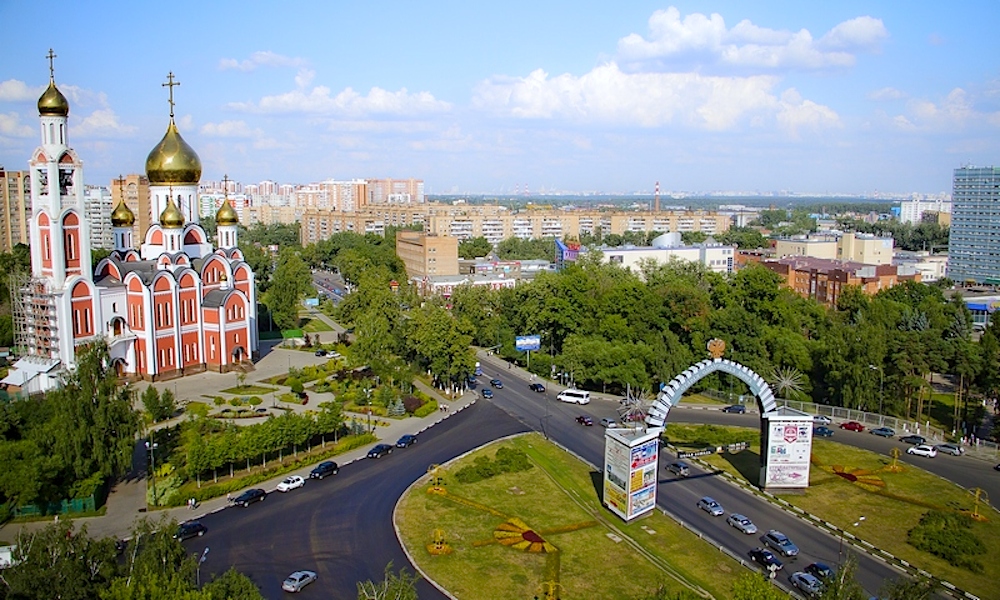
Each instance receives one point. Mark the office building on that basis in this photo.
(15, 208)
(974, 242)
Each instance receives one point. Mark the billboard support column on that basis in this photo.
(630, 469)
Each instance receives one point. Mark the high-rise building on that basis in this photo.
(134, 190)
(97, 207)
(15, 208)
(974, 242)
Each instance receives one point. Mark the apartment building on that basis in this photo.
(850, 247)
(824, 280)
(133, 189)
(394, 191)
(97, 207)
(912, 211)
(427, 255)
(974, 243)
(15, 208)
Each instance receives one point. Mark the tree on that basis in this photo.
(159, 406)
(392, 586)
(289, 285)
(754, 586)
(844, 584)
(59, 561)
(907, 589)
(474, 248)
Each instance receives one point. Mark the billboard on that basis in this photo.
(787, 446)
(523, 343)
(630, 467)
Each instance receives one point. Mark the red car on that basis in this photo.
(853, 426)
(585, 420)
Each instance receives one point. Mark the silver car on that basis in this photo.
(780, 543)
(742, 523)
(711, 507)
(298, 580)
(807, 584)
(953, 449)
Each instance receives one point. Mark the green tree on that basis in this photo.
(907, 589)
(754, 586)
(844, 584)
(474, 248)
(391, 587)
(59, 561)
(745, 238)
(290, 283)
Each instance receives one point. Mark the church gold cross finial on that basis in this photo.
(170, 84)
(52, 70)
(121, 185)
(225, 187)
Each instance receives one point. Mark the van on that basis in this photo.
(574, 396)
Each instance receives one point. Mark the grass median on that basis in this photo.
(592, 553)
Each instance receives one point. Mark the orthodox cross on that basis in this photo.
(170, 84)
(52, 70)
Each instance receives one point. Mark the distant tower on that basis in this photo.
(656, 198)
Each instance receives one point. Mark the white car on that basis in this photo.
(822, 420)
(290, 483)
(922, 450)
(298, 580)
(608, 422)
(742, 523)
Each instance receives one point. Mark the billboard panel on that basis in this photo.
(523, 343)
(630, 467)
(788, 444)
(616, 472)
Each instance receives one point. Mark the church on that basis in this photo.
(175, 304)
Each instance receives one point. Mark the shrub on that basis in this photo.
(426, 409)
(235, 401)
(508, 460)
(947, 535)
(412, 403)
(295, 384)
(255, 401)
(198, 409)
(218, 400)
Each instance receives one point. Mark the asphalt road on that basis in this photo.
(340, 527)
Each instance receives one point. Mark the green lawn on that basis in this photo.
(315, 325)
(559, 493)
(248, 390)
(847, 483)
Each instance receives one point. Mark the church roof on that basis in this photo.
(215, 298)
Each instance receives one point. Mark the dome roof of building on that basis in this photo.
(172, 217)
(227, 214)
(173, 161)
(52, 103)
(122, 216)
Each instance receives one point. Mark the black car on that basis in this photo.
(189, 530)
(380, 450)
(249, 497)
(766, 559)
(406, 440)
(496, 383)
(487, 393)
(735, 408)
(916, 440)
(536, 387)
(820, 571)
(323, 469)
(321, 353)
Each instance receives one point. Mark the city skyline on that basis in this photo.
(856, 98)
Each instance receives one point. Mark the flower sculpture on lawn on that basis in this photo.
(516, 534)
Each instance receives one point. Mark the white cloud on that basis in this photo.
(230, 129)
(10, 125)
(609, 96)
(319, 100)
(102, 123)
(698, 41)
(14, 90)
(262, 59)
(953, 113)
(304, 77)
(796, 113)
(886, 94)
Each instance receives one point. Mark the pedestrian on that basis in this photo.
(229, 497)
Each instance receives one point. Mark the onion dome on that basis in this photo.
(52, 103)
(122, 216)
(227, 215)
(173, 161)
(172, 217)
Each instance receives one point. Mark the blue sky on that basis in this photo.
(473, 97)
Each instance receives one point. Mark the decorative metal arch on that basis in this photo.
(670, 393)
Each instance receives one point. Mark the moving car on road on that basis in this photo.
(886, 432)
(298, 580)
(379, 451)
(585, 420)
(952, 449)
(327, 467)
(189, 530)
(766, 559)
(922, 450)
(496, 383)
(249, 497)
(710, 506)
(819, 571)
(290, 483)
(822, 431)
(780, 543)
(536, 387)
(916, 440)
(406, 440)
(852, 426)
(679, 468)
(608, 422)
(487, 393)
(742, 523)
(807, 584)
(822, 420)
(574, 396)
(735, 408)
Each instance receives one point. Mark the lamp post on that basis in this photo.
(204, 555)
(881, 382)
(840, 550)
(151, 448)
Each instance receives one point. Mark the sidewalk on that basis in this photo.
(126, 501)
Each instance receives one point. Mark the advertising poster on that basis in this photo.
(644, 454)
(789, 445)
(616, 474)
(630, 468)
(523, 343)
(642, 501)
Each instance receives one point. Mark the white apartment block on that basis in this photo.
(912, 211)
(97, 204)
(714, 257)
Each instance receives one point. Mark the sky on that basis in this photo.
(573, 96)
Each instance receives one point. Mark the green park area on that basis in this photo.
(519, 516)
(909, 512)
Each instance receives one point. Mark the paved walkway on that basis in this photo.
(127, 499)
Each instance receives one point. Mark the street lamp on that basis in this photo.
(881, 381)
(204, 555)
(841, 549)
(151, 447)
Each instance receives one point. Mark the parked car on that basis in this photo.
(807, 584)
(189, 530)
(996, 467)
(496, 383)
(249, 497)
(952, 449)
(608, 422)
(585, 420)
(886, 432)
(822, 431)
(735, 408)
(290, 483)
(820, 571)
(916, 440)
(852, 426)
(711, 507)
(922, 450)
(765, 558)
(536, 387)
(742, 523)
(406, 440)
(679, 468)
(487, 393)
(327, 467)
(780, 543)
(822, 420)
(321, 353)
(298, 580)
(379, 451)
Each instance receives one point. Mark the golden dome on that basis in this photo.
(52, 103)
(173, 161)
(227, 215)
(122, 216)
(172, 217)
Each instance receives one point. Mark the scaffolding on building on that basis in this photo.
(33, 310)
